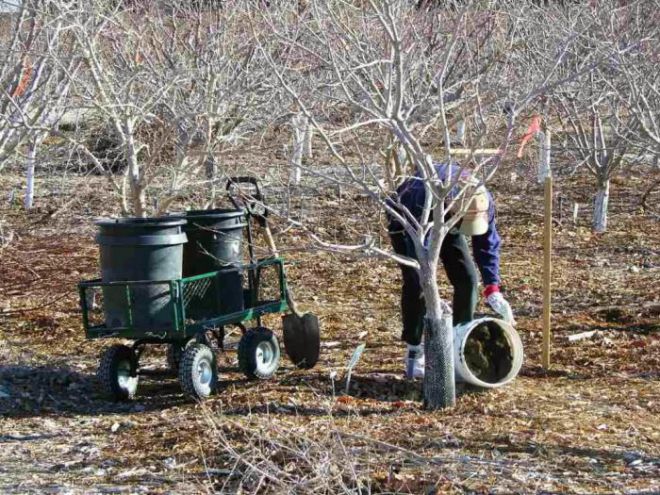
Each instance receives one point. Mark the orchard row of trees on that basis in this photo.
(178, 84)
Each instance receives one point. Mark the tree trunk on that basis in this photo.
(402, 162)
(600, 206)
(390, 167)
(125, 209)
(460, 133)
(211, 173)
(439, 381)
(139, 199)
(298, 149)
(31, 162)
(137, 189)
(309, 133)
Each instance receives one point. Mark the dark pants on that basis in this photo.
(461, 272)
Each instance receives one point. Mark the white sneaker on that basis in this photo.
(414, 361)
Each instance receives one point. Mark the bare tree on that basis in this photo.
(598, 129)
(639, 88)
(601, 127)
(37, 64)
(386, 65)
(301, 135)
(174, 86)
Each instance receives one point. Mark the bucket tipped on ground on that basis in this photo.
(488, 352)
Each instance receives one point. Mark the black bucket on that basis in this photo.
(215, 239)
(140, 249)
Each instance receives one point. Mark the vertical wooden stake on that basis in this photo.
(545, 145)
(547, 271)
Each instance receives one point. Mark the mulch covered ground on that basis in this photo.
(588, 425)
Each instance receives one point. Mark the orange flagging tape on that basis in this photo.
(533, 128)
(26, 76)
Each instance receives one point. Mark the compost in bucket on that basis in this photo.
(488, 352)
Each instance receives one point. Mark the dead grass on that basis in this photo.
(587, 426)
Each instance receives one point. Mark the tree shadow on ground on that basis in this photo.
(586, 374)
(323, 392)
(556, 451)
(537, 371)
(32, 391)
(393, 388)
(59, 390)
(380, 386)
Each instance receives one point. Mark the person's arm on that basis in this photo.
(486, 252)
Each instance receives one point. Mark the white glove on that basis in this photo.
(501, 307)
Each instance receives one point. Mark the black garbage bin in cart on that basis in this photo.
(180, 281)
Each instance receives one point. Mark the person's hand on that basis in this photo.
(501, 306)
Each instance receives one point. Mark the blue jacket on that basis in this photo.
(485, 247)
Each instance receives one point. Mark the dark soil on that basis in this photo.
(488, 353)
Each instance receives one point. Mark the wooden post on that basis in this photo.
(547, 271)
(545, 140)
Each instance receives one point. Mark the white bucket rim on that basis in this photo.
(514, 341)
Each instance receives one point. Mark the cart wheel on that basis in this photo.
(118, 372)
(198, 371)
(259, 353)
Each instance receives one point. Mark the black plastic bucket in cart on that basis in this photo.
(215, 243)
(140, 249)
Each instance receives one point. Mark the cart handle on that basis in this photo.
(251, 204)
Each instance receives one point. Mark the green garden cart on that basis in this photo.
(180, 281)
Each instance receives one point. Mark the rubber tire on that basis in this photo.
(194, 356)
(109, 368)
(248, 348)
